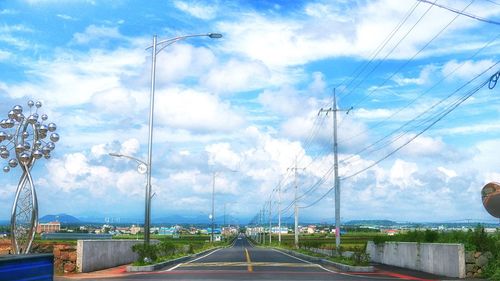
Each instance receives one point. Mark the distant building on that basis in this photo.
(136, 229)
(390, 232)
(276, 230)
(49, 227)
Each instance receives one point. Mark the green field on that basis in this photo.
(354, 241)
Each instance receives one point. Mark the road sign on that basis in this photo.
(491, 198)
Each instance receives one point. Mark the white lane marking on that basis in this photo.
(172, 268)
(332, 271)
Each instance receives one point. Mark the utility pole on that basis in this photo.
(261, 228)
(296, 208)
(279, 213)
(213, 206)
(270, 218)
(334, 109)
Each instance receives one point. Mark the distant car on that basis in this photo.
(239, 238)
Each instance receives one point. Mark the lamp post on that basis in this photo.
(142, 167)
(155, 49)
(212, 215)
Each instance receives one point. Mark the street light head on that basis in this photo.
(142, 168)
(215, 35)
(115, 154)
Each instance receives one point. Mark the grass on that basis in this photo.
(170, 248)
(355, 242)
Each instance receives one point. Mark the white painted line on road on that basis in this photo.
(291, 256)
(320, 266)
(172, 268)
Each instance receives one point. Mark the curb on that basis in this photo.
(156, 266)
(341, 266)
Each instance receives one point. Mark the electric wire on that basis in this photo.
(462, 12)
(412, 58)
(491, 82)
(491, 41)
(391, 51)
(409, 122)
(376, 52)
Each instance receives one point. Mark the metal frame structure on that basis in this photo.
(26, 137)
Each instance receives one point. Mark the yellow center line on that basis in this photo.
(250, 267)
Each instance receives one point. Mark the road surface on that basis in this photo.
(242, 261)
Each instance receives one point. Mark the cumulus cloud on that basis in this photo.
(95, 33)
(237, 76)
(195, 110)
(197, 10)
(465, 69)
(280, 41)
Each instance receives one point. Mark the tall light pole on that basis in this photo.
(155, 49)
(214, 174)
(142, 167)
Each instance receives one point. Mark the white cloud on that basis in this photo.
(130, 147)
(82, 75)
(421, 146)
(448, 172)
(284, 101)
(423, 78)
(180, 61)
(221, 153)
(194, 110)
(197, 10)
(4, 55)
(65, 17)
(236, 76)
(465, 69)
(95, 33)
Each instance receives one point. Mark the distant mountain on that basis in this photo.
(62, 218)
(174, 219)
(371, 222)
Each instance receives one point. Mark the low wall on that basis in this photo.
(441, 259)
(94, 255)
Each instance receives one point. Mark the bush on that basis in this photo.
(146, 252)
(166, 248)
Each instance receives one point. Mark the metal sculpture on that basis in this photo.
(24, 141)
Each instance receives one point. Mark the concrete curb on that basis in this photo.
(156, 266)
(343, 267)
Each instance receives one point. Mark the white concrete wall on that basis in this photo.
(92, 255)
(441, 259)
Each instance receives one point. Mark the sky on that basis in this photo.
(418, 129)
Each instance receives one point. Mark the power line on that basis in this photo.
(414, 119)
(413, 57)
(428, 90)
(492, 83)
(461, 12)
(390, 52)
(375, 53)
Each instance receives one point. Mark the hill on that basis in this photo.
(62, 218)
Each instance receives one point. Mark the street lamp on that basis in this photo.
(212, 215)
(142, 167)
(155, 49)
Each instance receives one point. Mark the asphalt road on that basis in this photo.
(244, 262)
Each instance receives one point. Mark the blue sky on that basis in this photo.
(249, 102)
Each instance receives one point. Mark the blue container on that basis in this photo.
(36, 267)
